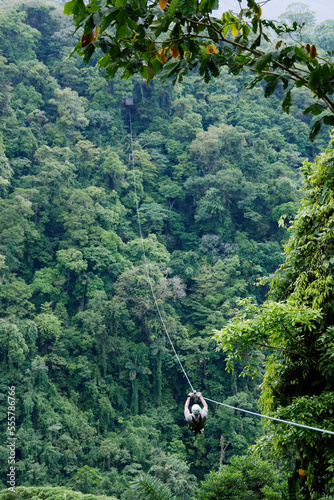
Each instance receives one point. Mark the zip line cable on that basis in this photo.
(271, 418)
(145, 259)
(163, 323)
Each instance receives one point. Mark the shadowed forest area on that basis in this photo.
(99, 392)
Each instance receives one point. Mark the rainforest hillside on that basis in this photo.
(99, 392)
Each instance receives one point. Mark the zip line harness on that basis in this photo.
(163, 323)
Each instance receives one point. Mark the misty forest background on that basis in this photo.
(99, 392)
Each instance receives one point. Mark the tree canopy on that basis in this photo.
(170, 38)
(99, 393)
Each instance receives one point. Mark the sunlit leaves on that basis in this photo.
(72, 260)
(273, 325)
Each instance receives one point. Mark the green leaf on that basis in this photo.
(214, 35)
(69, 7)
(213, 4)
(89, 51)
(97, 18)
(122, 16)
(158, 25)
(226, 17)
(157, 65)
(285, 82)
(256, 43)
(202, 5)
(328, 120)
(245, 30)
(96, 5)
(299, 84)
(150, 72)
(143, 72)
(315, 78)
(255, 24)
(315, 129)
(271, 86)
(287, 102)
(111, 70)
(188, 7)
(161, 25)
(315, 109)
(225, 29)
(173, 6)
(302, 53)
(77, 9)
(120, 3)
(262, 62)
(121, 31)
(169, 70)
(108, 19)
(89, 24)
(132, 24)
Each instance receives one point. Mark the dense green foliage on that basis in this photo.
(246, 478)
(169, 38)
(147, 487)
(297, 330)
(48, 493)
(99, 393)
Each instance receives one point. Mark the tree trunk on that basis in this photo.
(135, 397)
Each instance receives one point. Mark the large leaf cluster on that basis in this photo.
(170, 38)
(296, 331)
(307, 273)
(246, 478)
(49, 493)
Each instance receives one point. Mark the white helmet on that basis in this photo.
(196, 409)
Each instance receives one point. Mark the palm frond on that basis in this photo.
(151, 488)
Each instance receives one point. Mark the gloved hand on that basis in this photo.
(199, 394)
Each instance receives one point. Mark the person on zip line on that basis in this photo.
(197, 417)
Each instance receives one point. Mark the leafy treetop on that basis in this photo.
(170, 37)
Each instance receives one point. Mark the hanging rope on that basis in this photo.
(165, 328)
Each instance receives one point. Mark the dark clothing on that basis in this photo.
(196, 423)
